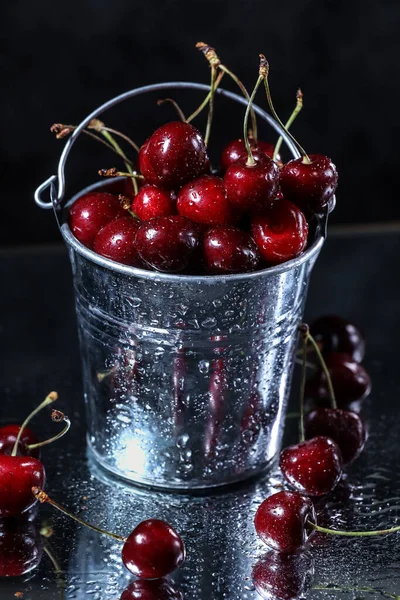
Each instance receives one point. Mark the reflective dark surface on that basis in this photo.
(356, 276)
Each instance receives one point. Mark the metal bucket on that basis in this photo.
(186, 378)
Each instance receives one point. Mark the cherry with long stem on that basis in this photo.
(52, 397)
(290, 121)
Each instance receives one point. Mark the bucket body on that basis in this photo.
(186, 378)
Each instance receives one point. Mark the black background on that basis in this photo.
(59, 60)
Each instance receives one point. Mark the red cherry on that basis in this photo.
(90, 213)
(227, 249)
(167, 243)
(204, 201)
(152, 201)
(8, 436)
(236, 149)
(313, 467)
(335, 334)
(342, 426)
(283, 576)
(153, 550)
(249, 188)
(350, 380)
(116, 241)
(156, 589)
(174, 154)
(21, 548)
(18, 474)
(281, 521)
(309, 185)
(280, 232)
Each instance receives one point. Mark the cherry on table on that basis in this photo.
(147, 589)
(174, 154)
(153, 550)
(152, 201)
(18, 474)
(236, 149)
(8, 437)
(116, 241)
(90, 213)
(280, 232)
(312, 467)
(204, 200)
(227, 249)
(310, 185)
(167, 243)
(335, 334)
(281, 521)
(344, 427)
(249, 187)
(280, 576)
(21, 548)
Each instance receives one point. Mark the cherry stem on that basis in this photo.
(122, 136)
(101, 375)
(52, 397)
(113, 172)
(289, 122)
(250, 159)
(58, 571)
(369, 590)
(206, 100)
(118, 148)
(58, 417)
(353, 533)
(175, 105)
(308, 364)
(305, 332)
(304, 154)
(246, 95)
(210, 105)
(43, 497)
(325, 370)
(126, 205)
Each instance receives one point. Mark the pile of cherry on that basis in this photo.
(183, 216)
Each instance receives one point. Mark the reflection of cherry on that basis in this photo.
(335, 334)
(21, 548)
(155, 589)
(283, 577)
(8, 436)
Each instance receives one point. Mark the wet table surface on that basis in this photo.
(356, 277)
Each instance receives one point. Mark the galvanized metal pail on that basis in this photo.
(186, 378)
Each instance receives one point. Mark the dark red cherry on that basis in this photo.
(21, 548)
(335, 334)
(18, 474)
(8, 436)
(153, 550)
(116, 241)
(204, 201)
(167, 243)
(90, 213)
(236, 150)
(249, 188)
(313, 467)
(350, 380)
(309, 185)
(280, 232)
(342, 426)
(155, 589)
(227, 249)
(278, 576)
(281, 521)
(152, 201)
(174, 154)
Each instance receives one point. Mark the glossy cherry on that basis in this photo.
(152, 201)
(156, 589)
(313, 467)
(251, 187)
(280, 232)
(335, 334)
(153, 550)
(278, 576)
(116, 241)
(236, 150)
(18, 474)
(90, 213)
(174, 154)
(281, 521)
(167, 243)
(342, 426)
(204, 201)
(8, 437)
(21, 548)
(350, 381)
(227, 249)
(310, 185)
